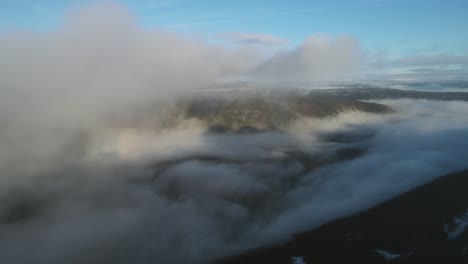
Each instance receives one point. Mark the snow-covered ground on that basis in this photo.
(298, 260)
(387, 255)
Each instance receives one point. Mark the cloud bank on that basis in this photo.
(183, 195)
(100, 63)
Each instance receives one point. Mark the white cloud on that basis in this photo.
(99, 63)
(194, 196)
(320, 57)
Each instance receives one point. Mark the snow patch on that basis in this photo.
(298, 260)
(387, 255)
(461, 223)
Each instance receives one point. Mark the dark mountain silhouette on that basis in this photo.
(425, 225)
(369, 92)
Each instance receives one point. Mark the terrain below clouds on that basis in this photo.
(425, 225)
(214, 176)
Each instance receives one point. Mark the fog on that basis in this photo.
(98, 64)
(183, 195)
(95, 168)
(101, 63)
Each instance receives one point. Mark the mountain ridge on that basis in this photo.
(424, 225)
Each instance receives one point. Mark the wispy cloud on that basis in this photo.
(254, 39)
(275, 14)
(161, 4)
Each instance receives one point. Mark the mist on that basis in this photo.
(59, 85)
(181, 194)
(96, 168)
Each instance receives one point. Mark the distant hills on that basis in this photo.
(250, 111)
(248, 114)
(367, 92)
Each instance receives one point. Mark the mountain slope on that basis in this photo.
(425, 225)
(270, 112)
(366, 92)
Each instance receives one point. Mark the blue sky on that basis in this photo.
(419, 33)
(392, 26)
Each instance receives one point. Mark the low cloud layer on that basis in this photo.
(183, 195)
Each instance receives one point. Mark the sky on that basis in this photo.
(393, 29)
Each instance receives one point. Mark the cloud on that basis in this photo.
(180, 194)
(408, 149)
(255, 39)
(99, 62)
(61, 85)
(320, 57)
